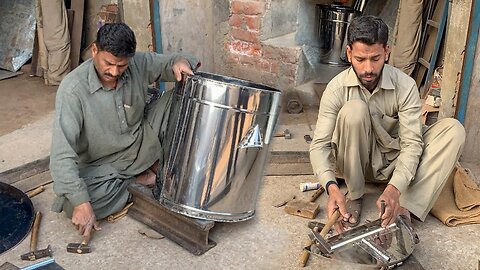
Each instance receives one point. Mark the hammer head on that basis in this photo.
(37, 254)
(79, 248)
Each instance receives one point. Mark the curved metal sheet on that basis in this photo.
(16, 216)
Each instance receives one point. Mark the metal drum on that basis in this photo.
(221, 128)
(332, 32)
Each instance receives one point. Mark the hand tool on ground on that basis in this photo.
(83, 247)
(35, 191)
(286, 134)
(331, 221)
(120, 214)
(35, 254)
(370, 244)
(307, 209)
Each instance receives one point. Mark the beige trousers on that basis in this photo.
(354, 143)
(407, 34)
(57, 40)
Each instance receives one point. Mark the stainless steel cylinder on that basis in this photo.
(219, 133)
(332, 32)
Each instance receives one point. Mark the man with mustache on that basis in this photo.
(109, 128)
(369, 120)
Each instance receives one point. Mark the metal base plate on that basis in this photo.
(190, 233)
(206, 215)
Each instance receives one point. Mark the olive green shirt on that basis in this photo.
(101, 133)
(395, 109)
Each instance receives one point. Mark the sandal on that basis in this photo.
(408, 222)
(355, 209)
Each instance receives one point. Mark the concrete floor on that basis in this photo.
(272, 239)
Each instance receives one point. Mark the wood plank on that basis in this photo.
(41, 179)
(78, 7)
(456, 40)
(25, 171)
(288, 169)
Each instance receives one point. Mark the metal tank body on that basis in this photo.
(218, 137)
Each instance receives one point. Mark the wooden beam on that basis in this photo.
(456, 39)
(76, 35)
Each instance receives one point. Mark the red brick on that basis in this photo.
(288, 55)
(247, 60)
(247, 48)
(236, 7)
(247, 7)
(253, 22)
(263, 64)
(274, 66)
(288, 70)
(236, 20)
(244, 35)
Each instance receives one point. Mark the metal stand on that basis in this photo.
(190, 233)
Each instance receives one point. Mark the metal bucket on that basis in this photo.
(221, 128)
(332, 32)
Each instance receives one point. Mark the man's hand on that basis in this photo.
(84, 219)
(391, 196)
(336, 200)
(181, 66)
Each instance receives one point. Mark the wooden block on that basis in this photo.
(302, 208)
(76, 34)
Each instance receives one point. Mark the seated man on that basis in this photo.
(369, 120)
(105, 134)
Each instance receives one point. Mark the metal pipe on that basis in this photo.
(469, 63)
(157, 30)
(359, 237)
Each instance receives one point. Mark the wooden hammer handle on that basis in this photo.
(35, 229)
(317, 194)
(331, 221)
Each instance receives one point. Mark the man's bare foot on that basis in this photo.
(146, 178)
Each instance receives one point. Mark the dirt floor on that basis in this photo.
(271, 240)
(24, 100)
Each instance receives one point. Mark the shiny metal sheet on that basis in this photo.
(17, 33)
(221, 128)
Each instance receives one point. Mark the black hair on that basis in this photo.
(117, 39)
(368, 30)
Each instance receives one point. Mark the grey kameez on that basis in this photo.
(103, 138)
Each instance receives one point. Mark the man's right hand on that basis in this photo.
(336, 200)
(84, 219)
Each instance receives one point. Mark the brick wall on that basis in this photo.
(248, 57)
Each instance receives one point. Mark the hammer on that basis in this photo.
(331, 221)
(35, 254)
(286, 134)
(81, 248)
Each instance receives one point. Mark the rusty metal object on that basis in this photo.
(189, 233)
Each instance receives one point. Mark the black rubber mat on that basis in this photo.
(16, 216)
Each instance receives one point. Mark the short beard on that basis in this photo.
(374, 83)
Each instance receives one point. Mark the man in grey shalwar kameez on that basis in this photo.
(105, 134)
